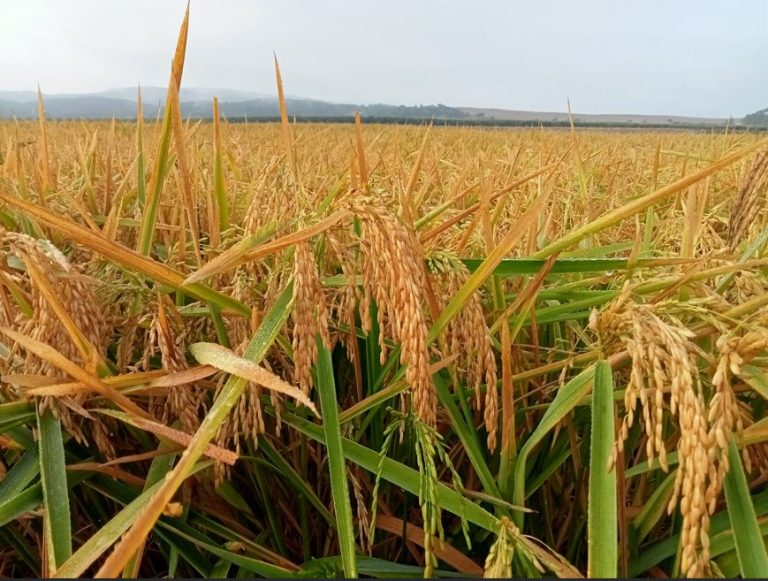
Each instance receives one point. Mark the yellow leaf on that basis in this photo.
(226, 360)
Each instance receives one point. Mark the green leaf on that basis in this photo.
(515, 266)
(57, 526)
(22, 473)
(95, 546)
(370, 566)
(188, 533)
(326, 387)
(219, 189)
(756, 378)
(566, 399)
(14, 414)
(602, 538)
(468, 437)
(746, 532)
(719, 534)
(399, 474)
(154, 194)
(12, 507)
(655, 508)
(295, 480)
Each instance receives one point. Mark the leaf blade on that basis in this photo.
(326, 387)
(57, 521)
(602, 539)
(746, 532)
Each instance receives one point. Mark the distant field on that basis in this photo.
(509, 115)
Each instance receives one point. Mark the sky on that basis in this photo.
(675, 57)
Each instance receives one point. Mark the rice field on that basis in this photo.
(286, 350)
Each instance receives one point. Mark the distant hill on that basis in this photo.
(196, 102)
(757, 119)
(148, 94)
(77, 107)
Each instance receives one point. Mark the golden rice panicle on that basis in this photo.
(310, 315)
(724, 412)
(75, 294)
(182, 401)
(625, 324)
(269, 204)
(240, 329)
(662, 363)
(747, 203)
(245, 421)
(345, 299)
(467, 335)
(491, 414)
(748, 285)
(393, 275)
(695, 489)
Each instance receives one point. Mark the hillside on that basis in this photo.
(196, 103)
(757, 119)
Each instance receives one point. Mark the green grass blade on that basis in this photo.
(220, 569)
(720, 526)
(602, 536)
(22, 473)
(515, 266)
(468, 437)
(295, 479)
(154, 194)
(746, 532)
(566, 399)
(57, 525)
(15, 413)
(95, 546)
(189, 534)
(403, 476)
(12, 507)
(329, 408)
(655, 508)
(160, 466)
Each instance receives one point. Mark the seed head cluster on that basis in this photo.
(665, 381)
(310, 315)
(75, 294)
(393, 276)
(467, 336)
(181, 402)
(747, 203)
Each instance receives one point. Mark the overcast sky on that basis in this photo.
(680, 57)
